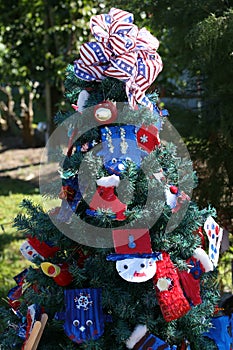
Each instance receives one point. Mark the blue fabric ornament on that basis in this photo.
(221, 332)
(195, 268)
(119, 145)
(150, 341)
(16, 292)
(69, 205)
(83, 315)
(160, 114)
(142, 339)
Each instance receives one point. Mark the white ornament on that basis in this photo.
(82, 99)
(103, 114)
(136, 269)
(108, 181)
(137, 334)
(163, 284)
(201, 255)
(171, 198)
(214, 233)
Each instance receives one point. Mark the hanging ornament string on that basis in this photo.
(122, 51)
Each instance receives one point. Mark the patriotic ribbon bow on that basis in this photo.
(121, 51)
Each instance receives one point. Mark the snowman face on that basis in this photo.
(29, 252)
(136, 269)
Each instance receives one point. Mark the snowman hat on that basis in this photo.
(148, 137)
(44, 249)
(132, 243)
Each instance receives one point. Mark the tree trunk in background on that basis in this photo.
(27, 115)
(48, 108)
(12, 122)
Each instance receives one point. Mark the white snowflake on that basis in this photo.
(144, 139)
(83, 300)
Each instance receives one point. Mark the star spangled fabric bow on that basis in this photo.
(122, 51)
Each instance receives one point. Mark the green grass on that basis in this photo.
(12, 192)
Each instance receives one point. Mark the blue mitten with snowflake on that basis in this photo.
(83, 315)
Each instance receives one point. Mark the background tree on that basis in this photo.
(37, 42)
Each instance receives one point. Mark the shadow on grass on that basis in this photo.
(6, 239)
(20, 167)
(13, 186)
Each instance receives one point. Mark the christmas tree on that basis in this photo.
(121, 263)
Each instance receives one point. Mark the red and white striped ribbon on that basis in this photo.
(121, 51)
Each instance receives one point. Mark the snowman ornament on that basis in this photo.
(135, 261)
(136, 269)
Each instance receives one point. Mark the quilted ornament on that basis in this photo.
(169, 294)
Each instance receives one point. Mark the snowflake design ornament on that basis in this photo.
(148, 137)
(83, 316)
(83, 300)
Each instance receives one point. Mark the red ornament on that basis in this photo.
(174, 189)
(105, 112)
(172, 301)
(199, 232)
(81, 259)
(105, 198)
(67, 193)
(60, 273)
(131, 241)
(64, 278)
(42, 248)
(190, 281)
(148, 137)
